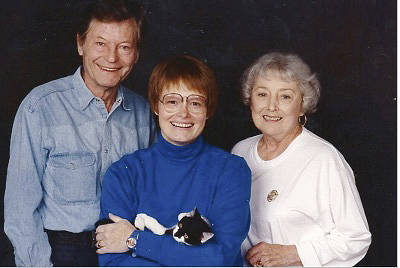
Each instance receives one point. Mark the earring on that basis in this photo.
(303, 120)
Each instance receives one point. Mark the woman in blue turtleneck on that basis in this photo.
(176, 174)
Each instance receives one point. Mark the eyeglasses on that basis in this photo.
(196, 104)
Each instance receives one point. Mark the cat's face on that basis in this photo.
(192, 229)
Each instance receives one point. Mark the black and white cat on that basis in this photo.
(191, 229)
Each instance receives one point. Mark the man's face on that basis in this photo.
(109, 52)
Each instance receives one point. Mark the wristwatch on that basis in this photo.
(131, 243)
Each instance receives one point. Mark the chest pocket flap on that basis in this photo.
(72, 177)
(72, 160)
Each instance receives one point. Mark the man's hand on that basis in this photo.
(264, 254)
(111, 238)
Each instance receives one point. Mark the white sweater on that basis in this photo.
(317, 208)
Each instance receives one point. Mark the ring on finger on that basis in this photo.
(99, 244)
(258, 263)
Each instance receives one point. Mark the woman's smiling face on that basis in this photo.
(181, 127)
(276, 106)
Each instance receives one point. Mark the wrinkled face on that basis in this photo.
(181, 127)
(275, 106)
(108, 52)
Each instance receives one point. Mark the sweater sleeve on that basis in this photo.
(347, 240)
(118, 196)
(230, 217)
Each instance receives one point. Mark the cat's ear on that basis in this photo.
(206, 237)
(196, 213)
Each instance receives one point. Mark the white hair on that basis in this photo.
(289, 67)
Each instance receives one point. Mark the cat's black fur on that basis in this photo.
(192, 228)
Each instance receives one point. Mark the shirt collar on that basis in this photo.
(85, 96)
(127, 103)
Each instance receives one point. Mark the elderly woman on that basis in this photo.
(176, 174)
(305, 208)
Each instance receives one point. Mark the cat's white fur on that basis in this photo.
(143, 221)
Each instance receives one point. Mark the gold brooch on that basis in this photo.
(272, 195)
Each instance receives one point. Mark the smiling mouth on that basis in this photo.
(108, 69)
(182, 125)
(272, 118)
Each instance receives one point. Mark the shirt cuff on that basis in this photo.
(150, 246)
(307, 254)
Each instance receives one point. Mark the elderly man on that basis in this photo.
(65, 135)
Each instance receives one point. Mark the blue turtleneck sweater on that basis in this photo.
(165, 180)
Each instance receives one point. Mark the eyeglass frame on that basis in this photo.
(182, 101)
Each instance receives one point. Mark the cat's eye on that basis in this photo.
(186, 236)
(180, 225)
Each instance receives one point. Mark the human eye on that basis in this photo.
(126, 48)
(286, 97)
(196, 104)
(260, 92)
(171, 100)
(100, 44)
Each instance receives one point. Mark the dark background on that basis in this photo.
(351, 45)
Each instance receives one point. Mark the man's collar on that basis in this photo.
(85, 96)
(126, 102)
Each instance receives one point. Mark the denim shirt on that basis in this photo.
(63, 140)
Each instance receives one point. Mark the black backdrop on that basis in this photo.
(350, 44)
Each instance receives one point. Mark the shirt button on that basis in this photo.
(106, 151)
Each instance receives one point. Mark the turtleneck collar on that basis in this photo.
(180, 153)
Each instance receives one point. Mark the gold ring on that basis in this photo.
(98, 244)
(259, 264)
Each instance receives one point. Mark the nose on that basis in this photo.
(112, 55)
(183, 109)
(273, 103)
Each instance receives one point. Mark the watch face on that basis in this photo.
(131, 242)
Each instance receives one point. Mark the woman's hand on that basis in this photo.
(111, 238)
(264, 254)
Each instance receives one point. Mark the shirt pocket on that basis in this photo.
(72, 177)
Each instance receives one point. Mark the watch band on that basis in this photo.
(131, 242)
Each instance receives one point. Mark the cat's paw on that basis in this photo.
(140, 221)
(157, 228)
